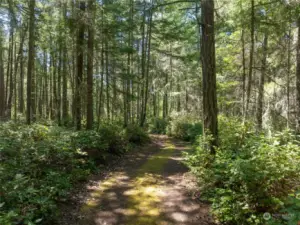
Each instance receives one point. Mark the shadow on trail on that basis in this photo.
(140, 193)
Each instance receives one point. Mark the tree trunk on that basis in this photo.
(21, 85)
(107, 80)
(298, 79)
(288, 79)
(178, 93)
(59, 75)
(30, 66)
(144, 110)
(101, 98)
(80, 41)
(64, 88)
(143, 50)
(210, 111)
(165, 99)
(2, 84)
(259, 112)
(244, 72)
(10, 73)
(250, 61)
(54, 86)
(46, 95)
(90, 56)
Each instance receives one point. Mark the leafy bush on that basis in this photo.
(38, 167)
(89, 139)
(109, 139)
(136, 135)
(184, 128)
(158, 126)
(91, 144)
(113, 135)
(250, 175)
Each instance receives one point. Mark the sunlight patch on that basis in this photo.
(94, 200)
(146, 194)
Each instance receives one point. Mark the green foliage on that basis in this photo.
(158, 126)
(250, 174)
(184, 128)
(114, 137)
(40, 164)
(136, 135)
(38, 168)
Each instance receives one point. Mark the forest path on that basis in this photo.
(149, 186)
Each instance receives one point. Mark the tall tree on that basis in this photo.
(210, 110)
(2, 84)
(30, 67)
(260, 100)
(249, 84)
(146, 68)
(10, 68)
(80, 42)
(298, 79)
(90, 57)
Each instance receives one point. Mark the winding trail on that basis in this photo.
(149, 186)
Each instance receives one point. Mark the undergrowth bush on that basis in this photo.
(114, 136)
(100, 144)
(251, 176)
(37, 168)
(136, 135)
(40, 164)
(158, 126)
(184, 128)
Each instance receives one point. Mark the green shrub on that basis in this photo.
(158, 126)
(184, 128)
(40, 164)
(90, 139)
(98, 145)
(113, 135)
(38, 167)
(92, 144)
(250, 175)
(136, 135)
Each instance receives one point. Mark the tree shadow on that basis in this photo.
(146, 197)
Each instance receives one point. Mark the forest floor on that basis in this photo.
(148, 186)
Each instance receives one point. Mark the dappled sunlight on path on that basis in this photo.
(153, 189)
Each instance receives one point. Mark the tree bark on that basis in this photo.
(64, 88)
(260, 101)
(107, 80)
(288, 79)
(11, 72)
(210, 110)
(298, 80)
(59, 76)
(21, 86)
(250, 61)
(146, 87)
(30, 66)
(244, 72)
(80, 41)
(165, 99)
(2, 84)
(90, 57)
(143, 51)
(54, 87)
(45, 95)
(101, 98)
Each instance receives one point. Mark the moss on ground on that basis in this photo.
(144, 196)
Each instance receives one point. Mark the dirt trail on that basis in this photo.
(149, 186)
